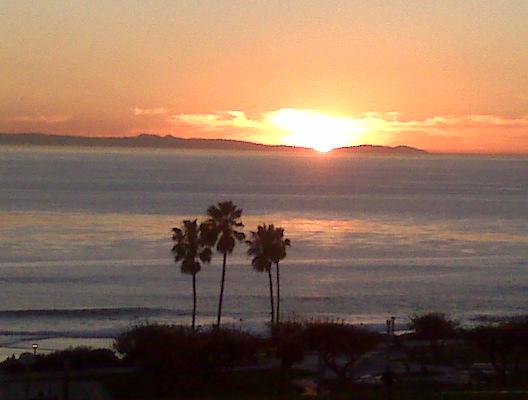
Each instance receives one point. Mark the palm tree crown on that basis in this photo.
(221, 228)
(267, 246)
(279, 244)
(261, 248)
(189, 246)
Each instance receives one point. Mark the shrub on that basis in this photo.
(152, 347)
(436, 328)
(164, 348)
(433, 326)
(11, 365)
(78, 358)
(288, 343)
(226, 348)
(337, 340)
(504, 344)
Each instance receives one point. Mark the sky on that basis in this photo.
(446, 76)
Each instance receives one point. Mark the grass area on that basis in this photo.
(274, 384)
(448, 353)
(424, 393)
(237, 384)
(482, 396)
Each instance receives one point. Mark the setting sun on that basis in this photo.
(314, 129)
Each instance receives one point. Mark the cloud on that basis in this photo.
(481, 133)
(149, 111)
(230, 124)
(219, 120)
(498, 121)
(466, 133)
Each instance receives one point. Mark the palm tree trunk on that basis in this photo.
(194, 301)
(271, 298)
(278, 294)
(219, 316)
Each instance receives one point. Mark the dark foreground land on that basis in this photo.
(317, 359)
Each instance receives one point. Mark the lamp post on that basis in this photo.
(35, 347)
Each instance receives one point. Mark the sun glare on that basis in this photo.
(316, 130)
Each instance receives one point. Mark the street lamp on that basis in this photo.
(35, 347)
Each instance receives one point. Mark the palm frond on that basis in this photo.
(268, 242)
(214, 212)
(240, 236)
(221, 227)
(261, 263)
(189, 245)
(206, 255)
(226, 244)
(190, 267)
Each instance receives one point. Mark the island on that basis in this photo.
(145, 140)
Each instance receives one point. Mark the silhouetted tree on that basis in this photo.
(434, 327)
(339, 345)
(279, 253)
(222, 229)
(261, 249)
(268, 247)
(289, 342)
(187, 248)
(505, 344)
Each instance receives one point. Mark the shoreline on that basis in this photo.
(16, 343)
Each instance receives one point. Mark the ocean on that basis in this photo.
(85, 239)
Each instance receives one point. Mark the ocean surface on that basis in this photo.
(85, 238)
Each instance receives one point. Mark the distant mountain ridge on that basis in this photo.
(172, 142)
(371, 148)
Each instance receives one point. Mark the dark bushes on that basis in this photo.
(338, 344)
(433, 326)
(159, 348)
(78, 358)
(505, 344)
(334, 341)
(162, 348)
(436, 328)
(289, 343)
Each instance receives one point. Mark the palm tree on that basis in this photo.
(261, 249)
(188, 246)
(268, 246)
(221, 229)
(279, 253)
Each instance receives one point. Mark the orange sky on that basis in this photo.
(440, 75)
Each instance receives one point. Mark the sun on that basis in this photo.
(316, 130)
